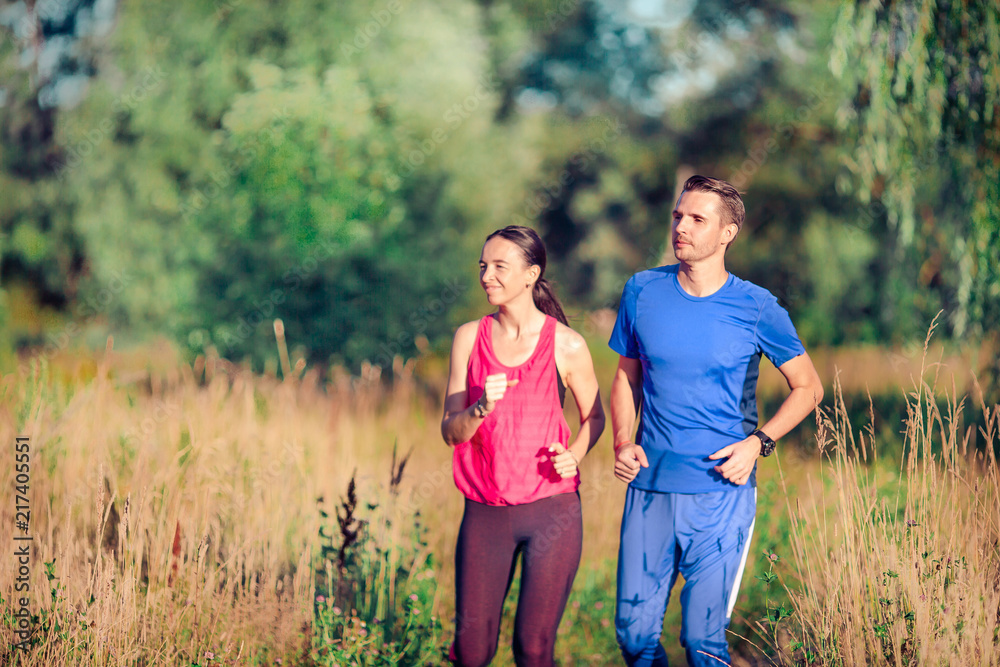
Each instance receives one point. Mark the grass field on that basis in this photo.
(195, 514)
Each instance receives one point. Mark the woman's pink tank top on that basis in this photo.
(507, 461)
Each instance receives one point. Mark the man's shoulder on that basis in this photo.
(644, 278)
(752, 292)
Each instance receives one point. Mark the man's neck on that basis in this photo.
(702, 278)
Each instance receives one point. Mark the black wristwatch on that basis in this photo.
(479, 409)
(766, 444)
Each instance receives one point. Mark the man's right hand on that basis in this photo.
(628, 460)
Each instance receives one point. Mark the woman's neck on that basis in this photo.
(518, 319)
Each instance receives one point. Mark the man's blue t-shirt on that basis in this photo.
(700, 359)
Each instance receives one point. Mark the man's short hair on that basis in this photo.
(732, 210)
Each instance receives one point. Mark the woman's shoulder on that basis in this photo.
(466, 333)
(570, 342)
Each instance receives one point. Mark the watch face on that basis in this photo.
(766, 444)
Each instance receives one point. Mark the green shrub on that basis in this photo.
(375, 585)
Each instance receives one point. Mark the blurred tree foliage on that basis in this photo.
(333, 166)
(338, 166)
(925, 119)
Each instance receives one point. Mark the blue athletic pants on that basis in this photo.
(705, 538)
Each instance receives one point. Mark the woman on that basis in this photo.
(513, 458)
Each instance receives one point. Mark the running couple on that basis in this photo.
(690, 337)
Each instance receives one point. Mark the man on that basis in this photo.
(690, 338)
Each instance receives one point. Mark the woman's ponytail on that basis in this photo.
(546, 301)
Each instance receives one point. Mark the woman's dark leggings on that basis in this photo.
(549, 534)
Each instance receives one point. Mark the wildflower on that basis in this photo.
(576, 604)
(773, 558)
(337, 611)
(320, 599)
(598, 605)
(415, 610)
(413, 596)
(277, 661)
(605, 622)
(209, 655)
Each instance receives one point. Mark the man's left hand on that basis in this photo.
(742, 457)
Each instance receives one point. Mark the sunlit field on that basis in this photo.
(188, 480)
(201, 514)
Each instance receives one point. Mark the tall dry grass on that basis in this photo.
(178, 512)
(900, 567)
(176, 506)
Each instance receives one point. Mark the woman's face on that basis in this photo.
(503, 273)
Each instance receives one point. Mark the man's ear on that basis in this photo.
(731, 231)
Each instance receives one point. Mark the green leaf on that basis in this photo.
(766, 577)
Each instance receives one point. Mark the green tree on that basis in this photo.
(926, 129)
(337, 167)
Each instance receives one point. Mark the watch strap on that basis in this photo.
(766, 443)
(479, 409)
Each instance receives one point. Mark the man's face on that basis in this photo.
(698, 232)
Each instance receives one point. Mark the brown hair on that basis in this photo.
(533, 251)
(732, 209)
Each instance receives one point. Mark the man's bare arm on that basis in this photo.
(806, 393)
(626, 390)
